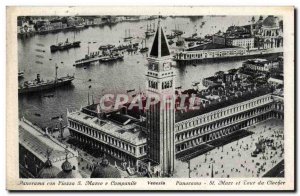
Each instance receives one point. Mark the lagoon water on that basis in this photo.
(114, 77)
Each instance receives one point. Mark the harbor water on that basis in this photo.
(34, 57)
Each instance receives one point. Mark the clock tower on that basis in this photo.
(161, 116)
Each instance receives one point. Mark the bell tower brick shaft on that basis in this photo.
(161, 116)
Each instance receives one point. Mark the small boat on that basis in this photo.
(144, 47)
(172, 36)
(56, 117)
(191, 44)
(128, 36)
(150, 30)
(179, 42)
(48, 96)
(177, 32)
(20, 74)
(113, 56)
(128, 91)
(106, 47)
(132, 48)
(196, 83)
(170, 42)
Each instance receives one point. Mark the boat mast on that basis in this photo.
(56, 67)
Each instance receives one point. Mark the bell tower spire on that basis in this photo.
(160, 45)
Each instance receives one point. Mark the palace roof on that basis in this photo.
(130, 132)
(38, 142)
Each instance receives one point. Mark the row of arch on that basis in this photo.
(221, 123)
(106, 149)
(222, 132)
(226, 112)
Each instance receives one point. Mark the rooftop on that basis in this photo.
(271, 21)
(180, 116)
(209, 46)
(130, 133)
(35, 140)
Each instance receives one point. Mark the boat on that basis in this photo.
(192, 38)
(128, 36)
(20, 74)
(195, 83)
(98, 56)
(120, 47)
(64, 45)
(48, 96)
(132, 48)
(172, 36)
(38, 84)
(89, 58)
(79, 26)
(144, 47)
(106, 47)
(177, 32)
(131, 90)
(56, 117)
(150, 31)
(170, 42)
(179, 42)
(191, 44)
(112, 57)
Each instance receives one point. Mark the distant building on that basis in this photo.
(268, 32)
(211, 81)
(235, 36)
(261, 64)
(25, 27)
(275, 80)
(210, 51)
(243, 42)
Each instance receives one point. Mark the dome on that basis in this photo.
(66, 166)
(67, 171)
(105, 171)
(70, 174)
(271, 21)
(48, 171)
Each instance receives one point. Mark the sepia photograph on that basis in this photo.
(153, 97)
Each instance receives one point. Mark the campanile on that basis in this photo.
(161, 116)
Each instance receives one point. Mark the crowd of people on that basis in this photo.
(251, 156)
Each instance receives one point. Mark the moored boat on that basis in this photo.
(64, 45)
(38, 84)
